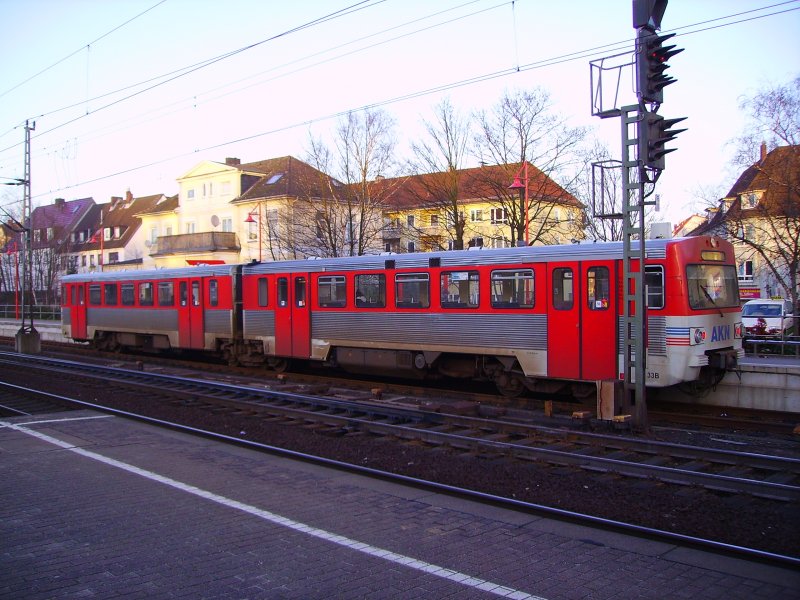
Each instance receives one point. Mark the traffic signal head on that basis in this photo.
(651, 63)
(654, 132)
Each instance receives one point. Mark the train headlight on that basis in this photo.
(737, 331)
(697, 335)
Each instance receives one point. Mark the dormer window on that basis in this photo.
(749, 200)
(275, 178)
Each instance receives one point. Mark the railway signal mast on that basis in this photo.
(645, 134)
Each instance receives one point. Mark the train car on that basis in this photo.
(543, 318)
(164, 309)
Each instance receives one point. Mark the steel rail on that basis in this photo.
(471, 439)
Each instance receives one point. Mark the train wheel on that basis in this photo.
(509, 385)
(279, 365)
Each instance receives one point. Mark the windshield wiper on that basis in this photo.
(705, 291)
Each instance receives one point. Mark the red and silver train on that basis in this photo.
(546, 318)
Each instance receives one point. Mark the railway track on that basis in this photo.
(720, 470)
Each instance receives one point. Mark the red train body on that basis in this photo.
(543, 318)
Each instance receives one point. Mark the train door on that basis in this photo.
(563, 321)
(293, 316)
(190, 313)
(598, 329)
(78, 311)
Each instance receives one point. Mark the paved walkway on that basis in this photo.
(93, 506)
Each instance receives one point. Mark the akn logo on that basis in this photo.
(720, 333)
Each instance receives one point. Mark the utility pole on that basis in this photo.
(27, 338)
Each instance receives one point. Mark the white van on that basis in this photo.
(768, 317)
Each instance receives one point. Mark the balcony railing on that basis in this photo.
(209, 241)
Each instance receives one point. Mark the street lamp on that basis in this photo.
(257, 219)
(521, 183)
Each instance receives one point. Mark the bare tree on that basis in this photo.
(774, 119)
(439, 160)
(762, 210)
(522, 127)
(347, 219)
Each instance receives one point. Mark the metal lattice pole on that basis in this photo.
(633, 232)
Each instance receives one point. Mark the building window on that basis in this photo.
(227, 224)
(410, 220)
(190, 194)
(746, 269)
(476, 242)
(168, 230)
(498, 216)
(411, 247)
(113, 257)
(475, 215)
(153, 235)
(434, 220)
(190, 227)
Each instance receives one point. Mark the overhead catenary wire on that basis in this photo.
(581, 54)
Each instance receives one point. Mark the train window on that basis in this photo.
(72, 290)
(166, 293)
(128, 299)
(412, 290)
(262, 291)
(563, 289)
(110, 294)
(94, 294)
(145, 294)
(300, 292)
(195, 293)
(459, 289)
(213, 292)
(654, 286)
(183, 290)
(598, 288)
(332, 291)
(283, 291)
(712, 286)
(371, 290)
(513, 288)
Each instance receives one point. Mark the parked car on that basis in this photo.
(768, 317)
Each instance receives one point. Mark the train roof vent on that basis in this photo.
(389, 264)
(435, 262)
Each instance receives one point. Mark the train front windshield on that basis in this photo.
(712, 286)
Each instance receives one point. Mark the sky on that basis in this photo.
(131, 94)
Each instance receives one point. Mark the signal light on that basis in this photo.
(654, 132)
(651, 63)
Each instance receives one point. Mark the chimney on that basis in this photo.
(128, 197)
(232, 162)
(59, 202)
(763, 151)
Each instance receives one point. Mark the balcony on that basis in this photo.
(210, 241)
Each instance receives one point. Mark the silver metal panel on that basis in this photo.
(522, 331)
(217, 322)
(482, 256)
(125, 319)
(657, 335)
(66, 317)
(154, 274)
(259, 323)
